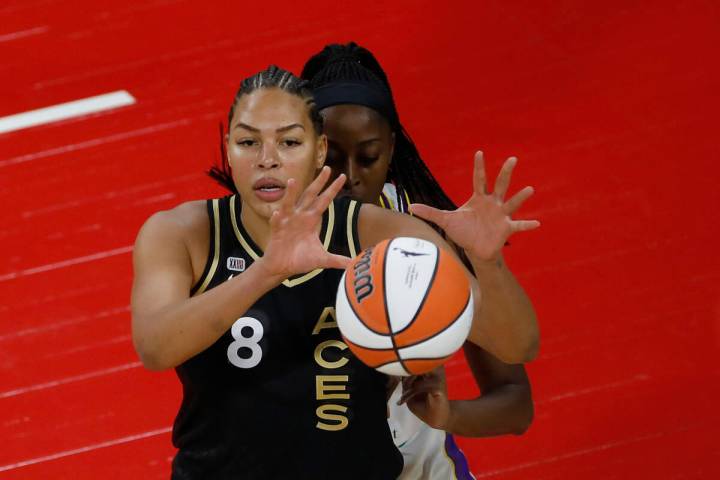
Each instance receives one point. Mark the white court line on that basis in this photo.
(99, 141)
(577, 453)
(64, 323)
(65, 263)
(66, 380)
(22, 34)
(63, 111)
(89, 448)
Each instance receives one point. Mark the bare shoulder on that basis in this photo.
(376, 224)
(184, 221)
(180, 232)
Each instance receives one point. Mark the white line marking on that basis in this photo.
(89, 448)
(63, 111)
(64, 323)
(23, 33)
(578, 453)
(99, 141)
(66, 380)
(65, 263)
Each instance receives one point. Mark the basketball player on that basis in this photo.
(236, 294)
(382, 165)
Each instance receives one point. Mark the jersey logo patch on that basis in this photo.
(236, 264)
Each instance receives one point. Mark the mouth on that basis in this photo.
(268, 185)
(269, 189)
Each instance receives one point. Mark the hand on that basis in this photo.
(294, 245)
(426, 396)
(482, 225)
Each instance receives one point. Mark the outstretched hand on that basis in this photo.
(483, 224)
(294, 245)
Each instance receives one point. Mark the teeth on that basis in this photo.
(269, 189)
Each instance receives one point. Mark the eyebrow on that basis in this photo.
(279, 130)
(361, 143)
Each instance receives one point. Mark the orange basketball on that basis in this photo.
(404, 306)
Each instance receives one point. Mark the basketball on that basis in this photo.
(404, 306)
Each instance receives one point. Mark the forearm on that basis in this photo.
(167, 337)
(506, 323)
(504, 410)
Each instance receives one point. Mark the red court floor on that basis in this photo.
(612, 108)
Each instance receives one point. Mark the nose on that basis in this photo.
(352, 177)
(268, 157)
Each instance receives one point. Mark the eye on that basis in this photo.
(290, 142)
(246, 142)
(367, 160)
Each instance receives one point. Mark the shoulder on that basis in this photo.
(185, 218)
(185, 226)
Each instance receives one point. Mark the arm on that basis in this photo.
(495, 333)
(168, 326)
(504, 406)
(481, 227)
(505, 301)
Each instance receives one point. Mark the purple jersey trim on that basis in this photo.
(457, 457)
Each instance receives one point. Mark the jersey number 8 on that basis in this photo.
(246, 342)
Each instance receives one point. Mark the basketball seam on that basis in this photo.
(426, 294)
(425, 339)
(420, 359)
(353, 344)
(347, 295)
(385, 305)
(450, 324)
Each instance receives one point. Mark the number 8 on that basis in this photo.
(251, 342)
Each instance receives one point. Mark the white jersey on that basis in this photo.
(429, 454)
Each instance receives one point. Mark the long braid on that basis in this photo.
(351, 62)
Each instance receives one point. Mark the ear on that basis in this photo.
(227, 150)
(321, 151)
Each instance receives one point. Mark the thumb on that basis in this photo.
(431, 214)
(337, 261)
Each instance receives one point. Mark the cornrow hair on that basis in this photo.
(272, 77)
(351, 63)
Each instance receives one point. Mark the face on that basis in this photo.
(360, 145)
(271, 140)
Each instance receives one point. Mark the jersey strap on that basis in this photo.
(351, 228)
(394, 197)
(213, 207)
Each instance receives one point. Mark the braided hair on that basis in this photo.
(352, 63)
(271, 77)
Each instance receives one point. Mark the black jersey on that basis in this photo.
(280, 395)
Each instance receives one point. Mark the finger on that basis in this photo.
(336, 261)
(431, 214)
(312, 190)
(274, 219)
(409, 396)
(292, 192)
(479, 181)
(420, 389)
(524, 225)
(517, 200)
(324, 199)
(503, 179)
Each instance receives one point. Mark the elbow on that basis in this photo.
(150, 355)
(525, 419)
(151, 361)
(532, 348)
(526, 351)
